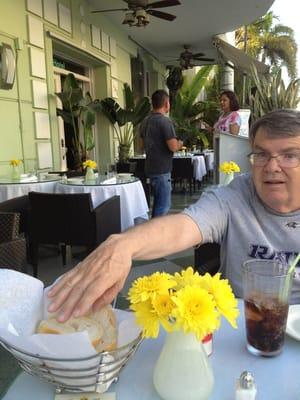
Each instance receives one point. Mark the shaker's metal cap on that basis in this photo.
(246, 380)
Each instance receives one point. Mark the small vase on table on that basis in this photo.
(15, 173)
(183, 370)
(228, 178)
(90, 175)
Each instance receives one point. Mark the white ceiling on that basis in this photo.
(196, 23)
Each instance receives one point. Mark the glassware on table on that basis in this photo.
(267, 287)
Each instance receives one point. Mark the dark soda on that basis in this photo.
(265, 323)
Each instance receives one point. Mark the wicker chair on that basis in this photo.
(70, 219)
(12, 246)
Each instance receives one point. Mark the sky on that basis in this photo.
(288, 12)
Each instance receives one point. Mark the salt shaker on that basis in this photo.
(245, 387)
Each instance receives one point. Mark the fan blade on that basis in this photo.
(164, 3)
(162, 15)
(197, 55)
(203, 59)
(113, 9)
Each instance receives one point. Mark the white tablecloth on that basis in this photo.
(132, 198)
(209, 159)
(199, 167)
(10, 191)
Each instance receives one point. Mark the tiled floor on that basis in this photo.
(50, 267)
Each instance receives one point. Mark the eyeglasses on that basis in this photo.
(284, 160)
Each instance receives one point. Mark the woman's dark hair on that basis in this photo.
(233, 101)
(158, 98)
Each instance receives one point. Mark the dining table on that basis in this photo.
(10, 189)
(276, 378)
(133, 203)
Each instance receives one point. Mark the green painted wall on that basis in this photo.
(17, 108)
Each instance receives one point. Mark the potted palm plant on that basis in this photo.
(125, 120)
(79, 111)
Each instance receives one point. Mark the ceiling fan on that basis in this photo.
(138, 11)
(186, 57)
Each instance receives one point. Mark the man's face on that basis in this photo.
(278, 187)
(167, 105)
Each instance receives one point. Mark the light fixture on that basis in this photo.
(137, 18)
(129, 18)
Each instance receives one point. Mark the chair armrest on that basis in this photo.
(108, 218)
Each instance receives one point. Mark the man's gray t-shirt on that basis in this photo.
(155, 130)
(236, 218)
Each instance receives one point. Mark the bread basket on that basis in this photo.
(89, 374)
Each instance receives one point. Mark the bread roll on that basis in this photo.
(100, 326)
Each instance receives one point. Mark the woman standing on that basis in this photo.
(229, 121)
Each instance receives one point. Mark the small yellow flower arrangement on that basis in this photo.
(184, 301)
(89, 164)
(15, 162)
(227, 167)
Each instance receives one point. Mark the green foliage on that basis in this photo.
(79, 109)
(186, 111)
(269, 42)
(124, 120)
(271, 94)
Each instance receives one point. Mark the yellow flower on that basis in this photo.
(187, 277)
(185, 301)
(89, 164)
(15, 162)
(195, 311)
(225, 301)
(148, 286)
(146, 318)
(229, 167)
(163, 306)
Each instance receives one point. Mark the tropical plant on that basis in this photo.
(186, 110)
(125, 120)
(174, 81)
(268, 42)
(79, 111)
(271, 94)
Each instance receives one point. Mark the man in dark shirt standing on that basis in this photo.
(160, 142)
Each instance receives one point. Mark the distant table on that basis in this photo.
(10, 189)
(276, 378)
(132, 196)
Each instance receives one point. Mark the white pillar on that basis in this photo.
(227, 73)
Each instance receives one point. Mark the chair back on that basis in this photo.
(182, 168)
(207, 258)
(18, 205)
(59, 217)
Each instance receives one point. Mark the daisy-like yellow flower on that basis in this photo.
(147, 318)
(89, 164)
(195, 312)
(148, 286)
(187, 277)
(163, 306)
(229, 167)
(15, 162)
(221, 291)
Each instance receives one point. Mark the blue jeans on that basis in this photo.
(161, 189)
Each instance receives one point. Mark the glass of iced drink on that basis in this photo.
(266, 287)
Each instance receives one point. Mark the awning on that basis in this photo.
(238, 58)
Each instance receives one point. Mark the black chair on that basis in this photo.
(207, 258)
(70, 219)
(18, 205)
(12, 244)
(183, 169)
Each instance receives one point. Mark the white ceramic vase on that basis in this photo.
(15, 173)
(89, 174)
(183, 370)
(228, 178)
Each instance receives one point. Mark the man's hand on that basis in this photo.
(85, 285)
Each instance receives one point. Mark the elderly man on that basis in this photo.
(256, 216)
